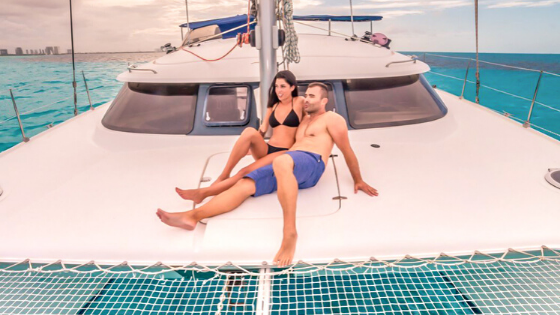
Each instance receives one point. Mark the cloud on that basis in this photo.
(513, 4)
(302, 4)
(397, 8)
(398, 13)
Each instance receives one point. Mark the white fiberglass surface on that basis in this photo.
(470, 180)
(361, 60)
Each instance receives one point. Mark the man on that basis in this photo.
(300, 168)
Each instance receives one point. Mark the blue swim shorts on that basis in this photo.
(308, 168)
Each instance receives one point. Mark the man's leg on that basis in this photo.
(287, 195)
(198, 195)
(222, 203)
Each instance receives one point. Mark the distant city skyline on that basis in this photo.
(49, 50)
(506, 26)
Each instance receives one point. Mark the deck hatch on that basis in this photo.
(553, 177)
(315, 201)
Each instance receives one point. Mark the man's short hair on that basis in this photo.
(322, 86)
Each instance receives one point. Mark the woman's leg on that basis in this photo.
(198, 195)
(250, 139)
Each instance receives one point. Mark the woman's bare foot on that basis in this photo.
(183, 220)
(195, 195)
(285, 255)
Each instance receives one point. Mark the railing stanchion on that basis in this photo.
(465, 82)
(87, 90)
(424, 58)
(25, 139)
(329, 27)
(527, 123)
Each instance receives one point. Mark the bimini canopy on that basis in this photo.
(338, 18)
(231, 22)
(224, 24)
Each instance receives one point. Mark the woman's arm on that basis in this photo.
(299, 101)
(264, 125)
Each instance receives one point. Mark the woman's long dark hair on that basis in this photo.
(290, 78)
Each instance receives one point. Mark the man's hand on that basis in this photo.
(361, 185)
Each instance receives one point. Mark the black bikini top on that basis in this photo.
(292, 120)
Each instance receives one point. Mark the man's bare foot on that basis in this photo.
(183, 220)
(285, 255)
(195, 195)
(220, 178)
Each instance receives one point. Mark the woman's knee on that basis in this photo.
(249, 132)
(283, 163)
(244, 171)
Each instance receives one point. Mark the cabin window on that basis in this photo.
(302, 87)
(158, 108)
(227, 106)
(384, 102)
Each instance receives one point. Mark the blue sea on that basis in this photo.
(43, 92)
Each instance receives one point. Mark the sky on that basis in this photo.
(506, 26)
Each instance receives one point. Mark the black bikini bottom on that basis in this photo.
(273, 149)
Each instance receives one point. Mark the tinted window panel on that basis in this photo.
(227, 106)
(390, 102)
(302, 87)
(153, 108)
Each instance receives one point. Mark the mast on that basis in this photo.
(266, 26)
(73, 63)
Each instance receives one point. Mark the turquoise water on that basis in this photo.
(513, 81)
(42, 85)
(410, 288)
(38, 81)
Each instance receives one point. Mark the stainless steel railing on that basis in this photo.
(525, 122)
(18, 114)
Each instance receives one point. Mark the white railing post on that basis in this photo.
(25, 139)
(465, 82)
(527, 123)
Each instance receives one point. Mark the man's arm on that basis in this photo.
(336, 125)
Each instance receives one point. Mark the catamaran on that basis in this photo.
(466, 221)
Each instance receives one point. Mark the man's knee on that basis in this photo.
(283, 164)
(245, 186)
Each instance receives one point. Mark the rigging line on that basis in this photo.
(188, 23)
(495, 64)
(352, 18)
(73, 63)
(497, 90)
(552, 132)
(450, 57)
(248, 15)
(232, 48)
(333, 32)
(41, 107)
(225, 32)
(5, 120)
(477, 64)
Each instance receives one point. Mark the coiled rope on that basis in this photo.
(290, 51)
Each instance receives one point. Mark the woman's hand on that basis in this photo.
(262, 133)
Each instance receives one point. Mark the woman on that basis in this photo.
(284, 113)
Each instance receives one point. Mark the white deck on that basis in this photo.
(470, 181)
(320, 60)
